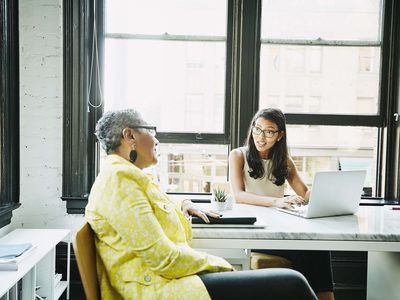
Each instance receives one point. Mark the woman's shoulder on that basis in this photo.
(237, 158)
(290, 162)
(120, 169)
(238, 153)
(241, 151)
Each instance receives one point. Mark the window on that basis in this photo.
(191, 167)
(9, 111)
(332, 79)
(176, 66)
(332, 68)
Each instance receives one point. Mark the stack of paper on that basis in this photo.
(12, 254)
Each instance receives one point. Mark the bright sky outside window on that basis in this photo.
(167, 59)
(337, 75)
(343, 66)
(350, 20)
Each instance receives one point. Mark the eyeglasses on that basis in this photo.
(152, 130)
(266, 133)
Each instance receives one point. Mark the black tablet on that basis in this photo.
(245, 220)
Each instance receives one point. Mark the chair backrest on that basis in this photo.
(85, 252)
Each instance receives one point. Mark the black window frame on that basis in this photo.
(9, 110)
(242, 92)
(79, 143)
(390, 158)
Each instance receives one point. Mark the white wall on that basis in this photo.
(41, 118)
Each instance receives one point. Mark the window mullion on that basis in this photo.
(9, 108)
(339, 120)
(392, 64)
(320, 42)
(79, 118)
(198, 138)
(247, 57)
(165, 37)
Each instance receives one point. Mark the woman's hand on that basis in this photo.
(286, 202)
(190, 209)
(307, 196)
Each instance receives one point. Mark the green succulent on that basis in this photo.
(220, 195)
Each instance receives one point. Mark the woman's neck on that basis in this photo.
(263, 155)
(122, 153)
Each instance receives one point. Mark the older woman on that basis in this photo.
(142, 236)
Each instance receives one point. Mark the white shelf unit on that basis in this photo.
(37, 269)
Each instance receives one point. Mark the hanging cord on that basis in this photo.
(95, 52)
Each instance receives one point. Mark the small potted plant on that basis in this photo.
(220, 198)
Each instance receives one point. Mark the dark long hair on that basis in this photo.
(278, 153)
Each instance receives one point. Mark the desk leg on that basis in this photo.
(68, 266)
(383, 276)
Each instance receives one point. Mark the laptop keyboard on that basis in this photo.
(301, 209)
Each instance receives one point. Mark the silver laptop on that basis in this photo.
(333, 193)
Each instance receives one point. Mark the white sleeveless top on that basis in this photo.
(261, 186)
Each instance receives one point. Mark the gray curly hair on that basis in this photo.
(109, 127)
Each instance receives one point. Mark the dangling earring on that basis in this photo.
(133, 156)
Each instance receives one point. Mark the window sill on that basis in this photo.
(76, 205)
(376, 201)
(6, 214)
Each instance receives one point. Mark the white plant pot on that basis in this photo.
(220, 206)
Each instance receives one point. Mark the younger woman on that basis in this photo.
(257, 173)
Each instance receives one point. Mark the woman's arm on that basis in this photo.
(236, 164)
(296, 182)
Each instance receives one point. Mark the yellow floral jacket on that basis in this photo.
(143, 238)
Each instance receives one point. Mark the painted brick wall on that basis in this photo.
(41, 117)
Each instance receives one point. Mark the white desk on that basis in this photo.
(373, 229)
(38, 268)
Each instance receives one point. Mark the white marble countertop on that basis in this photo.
(371, 223)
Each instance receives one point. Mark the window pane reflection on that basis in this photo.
(314, 79)
(324, 148)
(320, 19)
(172, 17)
(180, 86)
(190, 168)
